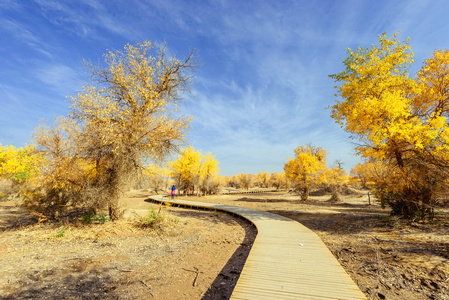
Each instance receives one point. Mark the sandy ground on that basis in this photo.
(387, 257)
(194, 255)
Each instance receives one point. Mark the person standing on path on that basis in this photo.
(173, 188)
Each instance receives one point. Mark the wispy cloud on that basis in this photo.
(59, 77)
(24, 35)
(84, 18)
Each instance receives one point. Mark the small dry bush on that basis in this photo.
(335, 198)
(157, 218)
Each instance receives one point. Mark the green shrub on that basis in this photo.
(61, 232)
(152, 218)
(91, 217)
(102, 218)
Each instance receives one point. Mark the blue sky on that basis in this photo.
(263, 86)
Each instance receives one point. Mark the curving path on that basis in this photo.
(287, 260)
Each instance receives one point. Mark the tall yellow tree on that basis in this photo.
(376, 88)
(208, 174)
(193, 169)
(185, 170)
(398, 120)
(307, 168)
(129, 113)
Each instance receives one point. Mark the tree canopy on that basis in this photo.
(307, 168)
(193, 169)
(397, 119)
(123, 118)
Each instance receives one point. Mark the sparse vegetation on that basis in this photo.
(61, 232)
(152, 218)
(90, 217)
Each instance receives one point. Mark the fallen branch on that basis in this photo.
(197, 274)
(123, 270)
(42, 217)
(143, 282)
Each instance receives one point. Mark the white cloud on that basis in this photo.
(24, 35)
(84, 18)
(60, 77)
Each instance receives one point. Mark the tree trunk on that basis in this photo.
(305, 194)
(114, 210)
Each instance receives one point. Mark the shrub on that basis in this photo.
(61, 232)
(152, 218)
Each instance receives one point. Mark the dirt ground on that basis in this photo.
(387, 257)
(192, 255)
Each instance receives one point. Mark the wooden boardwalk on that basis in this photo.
(287, 260)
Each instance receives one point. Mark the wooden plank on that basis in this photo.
(287, 260)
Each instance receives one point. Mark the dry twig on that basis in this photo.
(197, 273)
(143, 282)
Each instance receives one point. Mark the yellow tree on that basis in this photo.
(193, 169)
(21, 168)
(262, 179)
(209, 170)
(376, 88)
(278, 180)
(307, 168)
(365, 173)
(225, 180)
(20, 164)
(243, 180)
(399, 120)
(185, 170)
(129, 113)
(66, 173)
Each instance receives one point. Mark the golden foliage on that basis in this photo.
(336, 177)
(262, 179)
(400, 121)
(278, 180)
(20, 164)
(243, 180)
(193, 169)
(124, 118)
(131, 107)
(307, 168)
(387, 110)
(128, 114)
